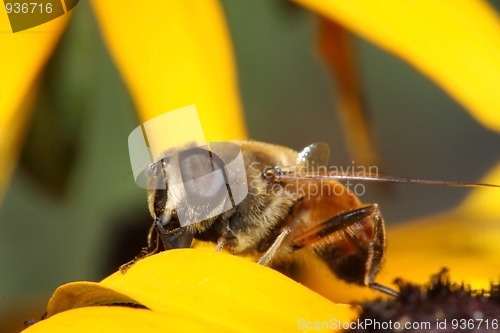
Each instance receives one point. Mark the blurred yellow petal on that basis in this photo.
(485, 201)
(455, 42)
(337, 50)
(21, 59)
(186, 289)
(465, 240)
(176, 53)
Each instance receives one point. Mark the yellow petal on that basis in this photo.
(464, 240)
(122, 320)
(192, 288)
(176, 53)
(21, 59)
(83, 294)
(455, 42)
(485, 201)
(336, 48)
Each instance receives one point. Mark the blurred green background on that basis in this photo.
(72, 203)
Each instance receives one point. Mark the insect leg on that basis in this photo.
(359, 266)
(334, 224)
(375, 256)
(178, 238)
(383, 289)
(271, 251)
(220, 244)
(152, 248)
(153, 240)
(227, 238)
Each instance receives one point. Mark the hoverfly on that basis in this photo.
(280, 218)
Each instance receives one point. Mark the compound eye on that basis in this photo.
(203, 176)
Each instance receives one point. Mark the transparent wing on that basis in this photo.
(289, 175)
(316, 154)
